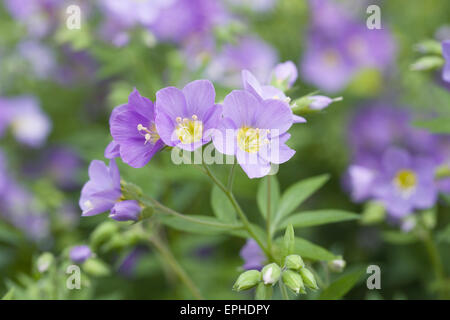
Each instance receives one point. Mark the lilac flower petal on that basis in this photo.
(200, 96)
(446, 54)
(127, 210)
(112, 150)
(80, 254)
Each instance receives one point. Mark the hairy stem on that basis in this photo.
(231, 177)
(268, 218)
(175, 266)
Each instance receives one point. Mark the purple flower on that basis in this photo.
(339, 47)
(40, 58)
(29, 124)
(102, 190)
(112, 150)
(80, 254)
(405, 183)
(185, 18)
(284, 74)
(264, 92)
(255, 131)
(127, 210)
(253, 255)
(361, 180)
(133, 128)
(446, 54)
(185, 118)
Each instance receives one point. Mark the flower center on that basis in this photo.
(405, 180)
(251, 139)
(150, 134)
(189, 130)
(331, 58)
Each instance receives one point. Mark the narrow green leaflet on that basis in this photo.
(309, 250)
(296, 194)
(437, 125)
(222, 207)
(317, 218)
(197, 224)
(341, 286)
(262, 196)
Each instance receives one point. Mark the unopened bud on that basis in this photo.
(308, 278)
(337, 265)
(427, 63)
(293, 281)
(294, 262)
(44, 261)
(96, 267)
(271, 274)
(247, 280)
(103, 233)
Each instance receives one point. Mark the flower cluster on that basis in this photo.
(395, 163)
(339, 46)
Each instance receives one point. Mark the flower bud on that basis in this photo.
(427, 63)
(271, 273)
(80, 254)
(308, 278)
(44, 261)
(103, 233)
(127, 210)
(294, 262)
(337, 265)
(263, 292)
(284, 75)
(321, 102)
(293, 281)
(247, 280)
(96, 267)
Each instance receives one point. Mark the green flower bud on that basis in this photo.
(96, 267)
(103, 233)
(247, 280)
(293, 281)
(294, 262)
(308, 278)
(337, 265)
(263, 292)
(44, 261)
(427, 63)
(271, 273)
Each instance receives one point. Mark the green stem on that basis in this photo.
(268, 218)
(231, 177)
(436, 261)
(283, 290)
(176, 267)
(238, 209)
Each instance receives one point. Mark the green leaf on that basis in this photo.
(317, 218)
(288, 245)
(437, 125)
(341, 286)
(197, 224)
(309, 250)
(444, 235)
(296, 194)
(9, 295)
(222, 207)
(262, 195)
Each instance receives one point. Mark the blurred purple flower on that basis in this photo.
(339, 47)
(446, 54)
(127, 210)
(102, 190)
(133, 128)
(185, 18)
(253, 255)
(28, 123)
(39, 57)
(405, 183)
(185, 118)
(80, 254)
(254, 131)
